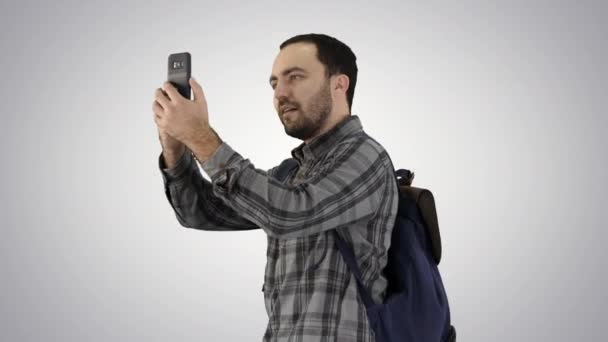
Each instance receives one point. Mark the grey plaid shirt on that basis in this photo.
(344, 181)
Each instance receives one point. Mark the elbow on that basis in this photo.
(190, 224)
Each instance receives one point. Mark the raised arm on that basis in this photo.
(347, 189)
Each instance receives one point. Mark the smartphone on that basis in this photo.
(179, 72)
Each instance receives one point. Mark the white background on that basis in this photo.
(499, 109)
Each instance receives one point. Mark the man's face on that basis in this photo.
(299, 82)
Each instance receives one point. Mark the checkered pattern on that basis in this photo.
(344, 181)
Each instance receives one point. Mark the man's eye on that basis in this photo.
(294, 76)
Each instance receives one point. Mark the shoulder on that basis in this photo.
(282, 170)
(361, 145)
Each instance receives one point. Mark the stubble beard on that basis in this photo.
(304, 125)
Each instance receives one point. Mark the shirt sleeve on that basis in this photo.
(347, 189)
(192, 199)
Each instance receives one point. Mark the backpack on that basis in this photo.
(416, 307)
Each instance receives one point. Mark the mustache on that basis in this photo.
(284, 104)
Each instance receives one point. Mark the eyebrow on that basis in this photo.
(285, 72)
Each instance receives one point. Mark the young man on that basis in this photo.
(344, 182)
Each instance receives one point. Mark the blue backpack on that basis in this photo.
(416, 307)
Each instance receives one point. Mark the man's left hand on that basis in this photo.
(185, 120)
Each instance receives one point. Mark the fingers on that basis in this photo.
(161, 98)
(157, 109)
(166, 97)
(157, 120)
(173, 94)
(197, 90)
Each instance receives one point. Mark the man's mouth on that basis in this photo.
(289, 110)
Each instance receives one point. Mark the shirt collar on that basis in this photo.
(318, 146)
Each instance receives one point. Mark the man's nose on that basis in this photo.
(281, 92)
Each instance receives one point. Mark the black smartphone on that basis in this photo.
(179, 72)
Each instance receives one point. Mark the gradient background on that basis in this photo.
(499, 109)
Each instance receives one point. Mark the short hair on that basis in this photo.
(336, 56)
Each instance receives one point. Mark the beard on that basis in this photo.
(304, 124)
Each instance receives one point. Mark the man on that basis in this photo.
(344, 182)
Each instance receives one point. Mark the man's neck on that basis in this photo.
(329, 124)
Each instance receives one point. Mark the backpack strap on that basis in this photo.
(281, 174)
(349, 257)
(285, 168)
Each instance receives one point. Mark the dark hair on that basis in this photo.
(336, 56)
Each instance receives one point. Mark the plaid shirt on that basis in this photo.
(344, 181)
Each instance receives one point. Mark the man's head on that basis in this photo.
(315, 74)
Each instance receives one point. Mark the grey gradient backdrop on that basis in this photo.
(499, 108)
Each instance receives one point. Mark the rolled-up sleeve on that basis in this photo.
(347, 189)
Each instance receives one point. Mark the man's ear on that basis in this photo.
(341, 82)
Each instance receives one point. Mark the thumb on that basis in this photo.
(197, 90)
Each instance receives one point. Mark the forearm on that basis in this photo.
(348, 189)
(204, 145)
(172, 156)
